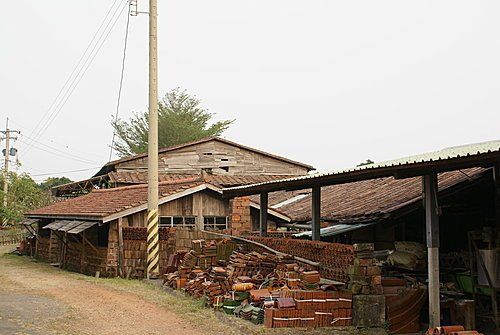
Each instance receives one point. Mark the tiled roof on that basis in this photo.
(139, 177)
(208, 139)
(101, 203)
(373, 198)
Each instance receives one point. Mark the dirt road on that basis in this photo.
(40, 300)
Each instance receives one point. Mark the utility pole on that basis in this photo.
(7, 153)
(153, 247)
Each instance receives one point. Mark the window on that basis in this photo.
(165, 221)
(215, 222)
(177, 221)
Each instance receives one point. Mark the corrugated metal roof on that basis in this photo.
(440, 155)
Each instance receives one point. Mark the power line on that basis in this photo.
(71, 171)
(121, 82)
(81, 72)
(85, 161)
(75, 68)
(21, 146)
(57, 150)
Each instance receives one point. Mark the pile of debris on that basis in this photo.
(260, 287)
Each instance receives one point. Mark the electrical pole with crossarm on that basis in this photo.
(7, 152)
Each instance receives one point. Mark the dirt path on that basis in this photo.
(36, 299)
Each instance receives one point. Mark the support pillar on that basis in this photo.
(316, 213)
(496, 178)
(430, 191)
(264, 197)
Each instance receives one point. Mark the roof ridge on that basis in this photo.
(161, 183)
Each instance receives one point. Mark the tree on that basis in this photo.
(181, 119)
(53, 182)
(367, 162)
(24, 195)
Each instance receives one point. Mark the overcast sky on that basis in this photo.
(329, 83)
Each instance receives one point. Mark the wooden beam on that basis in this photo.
(91, 245)
(316, 213)
(430, 191)
(264, 199)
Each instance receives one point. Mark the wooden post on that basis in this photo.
(121, 260)
(83, 254)
(430, 191)
(198, 207)
(264, 197)
(496, 178)
(316, 213)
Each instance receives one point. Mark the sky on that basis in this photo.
(328, 83)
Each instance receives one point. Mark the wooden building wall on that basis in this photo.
(77, 256)
(198, 204)
(217, 158)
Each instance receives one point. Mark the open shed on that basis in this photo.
(426, 167)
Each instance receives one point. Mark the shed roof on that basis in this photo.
(140, 177)
(483, 154)
(366, 200)
(109, 166)
(103, 203)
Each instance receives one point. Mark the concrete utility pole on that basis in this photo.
(7, 138)
(153, 247)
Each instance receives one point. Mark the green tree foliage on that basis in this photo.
(180, 119)
(24, 195)
(53, 182)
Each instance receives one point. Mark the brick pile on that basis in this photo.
(255, 264)
(262, 288)
(240, 215)
(365, 276)
(335, 258)
(312, 309)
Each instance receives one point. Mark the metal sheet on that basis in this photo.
(70, 225)
(337, 229)
(55, 225)
(491, 259)
(29, 222)
(82, 227)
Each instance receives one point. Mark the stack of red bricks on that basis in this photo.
(240, 215)
(365, 275)
(254, 263)
(312, 309)
(335, 258)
